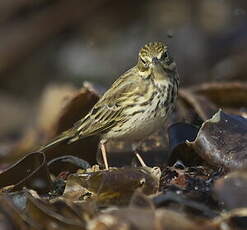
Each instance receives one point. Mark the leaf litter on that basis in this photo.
(196, 174)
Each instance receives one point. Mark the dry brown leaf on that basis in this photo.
(222, 141)
(231, 189)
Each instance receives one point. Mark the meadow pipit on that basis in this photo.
(135, 106)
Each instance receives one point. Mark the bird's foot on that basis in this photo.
(103, 152)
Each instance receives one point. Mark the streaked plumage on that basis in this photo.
(137, 103)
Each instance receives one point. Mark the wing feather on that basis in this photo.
(109, 110)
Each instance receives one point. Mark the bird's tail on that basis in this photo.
(64, 137)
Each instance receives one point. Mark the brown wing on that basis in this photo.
(109, 110)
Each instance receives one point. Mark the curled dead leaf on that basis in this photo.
(222, 141)
(115, 185)
(31, 171)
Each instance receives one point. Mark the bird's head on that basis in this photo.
(154, 55)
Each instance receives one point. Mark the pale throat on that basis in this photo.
(160, 76)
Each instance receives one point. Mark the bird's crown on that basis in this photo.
(152, 49)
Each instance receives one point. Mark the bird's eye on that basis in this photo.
(143, 62)
(164, 55)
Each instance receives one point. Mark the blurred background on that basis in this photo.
(45, 42)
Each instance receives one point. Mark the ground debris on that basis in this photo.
(196, 174)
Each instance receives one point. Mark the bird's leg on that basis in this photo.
(103, 152)
(135, 147)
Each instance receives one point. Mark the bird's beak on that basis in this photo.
(156, 65)
(155, 61)
(158, 69)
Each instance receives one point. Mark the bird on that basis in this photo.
(134, 107)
